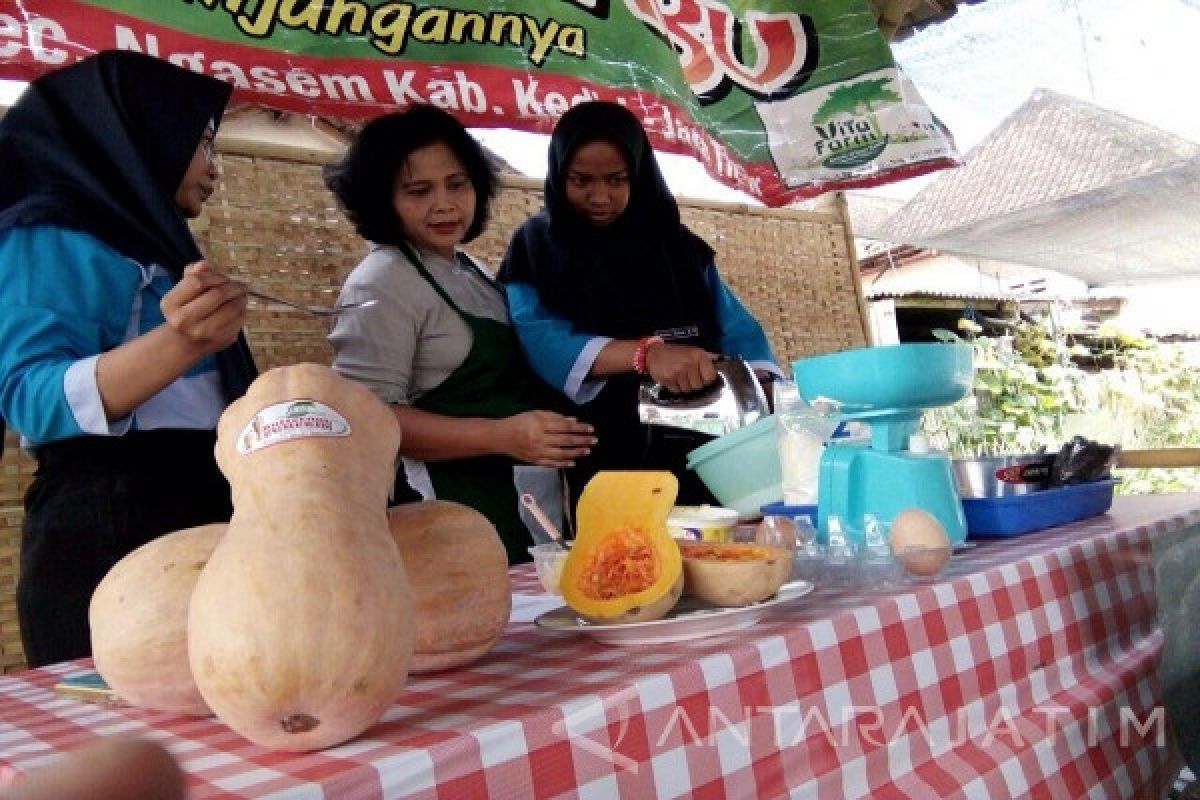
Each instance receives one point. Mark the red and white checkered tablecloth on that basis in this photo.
(1027, 672)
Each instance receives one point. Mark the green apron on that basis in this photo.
(491, 382)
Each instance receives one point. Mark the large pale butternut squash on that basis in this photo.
(138, 618)
(300, 631)
(624, 566)
(458, 569)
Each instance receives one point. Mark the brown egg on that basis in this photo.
(920, 542)
(776, 531)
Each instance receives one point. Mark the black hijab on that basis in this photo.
(100, 147)
(640, 274)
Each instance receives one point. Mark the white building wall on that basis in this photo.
(949, 274)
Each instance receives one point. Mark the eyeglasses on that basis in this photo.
(208, 142)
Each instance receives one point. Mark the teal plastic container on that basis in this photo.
(857, 480)
(742, 468)
(893, 377)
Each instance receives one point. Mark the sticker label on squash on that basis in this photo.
(295, 419)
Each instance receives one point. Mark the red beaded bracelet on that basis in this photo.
(641, 351)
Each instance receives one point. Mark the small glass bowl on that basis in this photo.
(548, 559)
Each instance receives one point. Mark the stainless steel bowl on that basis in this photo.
(977, 477)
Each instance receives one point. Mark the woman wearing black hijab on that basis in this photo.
(606, 285)
(119, 347)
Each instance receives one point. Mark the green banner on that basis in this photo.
(783, 99)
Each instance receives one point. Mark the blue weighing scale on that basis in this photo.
(887, 388)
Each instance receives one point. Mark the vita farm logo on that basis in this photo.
(294, 419)
(847, 126)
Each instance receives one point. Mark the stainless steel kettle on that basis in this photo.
(735, 400)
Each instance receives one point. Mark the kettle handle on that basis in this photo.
(656, 389)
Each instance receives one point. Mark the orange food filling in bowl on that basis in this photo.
(726, 552)
(622, 563)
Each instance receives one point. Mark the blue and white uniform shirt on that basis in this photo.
(65, 298)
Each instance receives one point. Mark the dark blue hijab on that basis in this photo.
(100, 147)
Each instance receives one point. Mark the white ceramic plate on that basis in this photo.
(690, 619)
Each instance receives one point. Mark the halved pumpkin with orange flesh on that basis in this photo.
(734, 574)
(624, 566)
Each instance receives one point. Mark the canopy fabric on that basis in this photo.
(1064, 185)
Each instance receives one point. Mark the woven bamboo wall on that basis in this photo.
(16, 471)
(273, 223)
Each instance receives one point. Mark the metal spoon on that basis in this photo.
(549, 527)
(320, 311)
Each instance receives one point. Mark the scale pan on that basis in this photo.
(889, 377)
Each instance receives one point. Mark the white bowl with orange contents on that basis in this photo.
(548, 560)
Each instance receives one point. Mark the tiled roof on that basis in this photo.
(1052, 147)
(884, 294)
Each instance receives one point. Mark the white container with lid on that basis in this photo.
(702, 523)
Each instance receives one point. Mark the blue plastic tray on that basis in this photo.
(782, 510)
(997, 517)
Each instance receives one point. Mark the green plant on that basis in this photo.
(1029, 393)
(1022, 393)
(1152, 393)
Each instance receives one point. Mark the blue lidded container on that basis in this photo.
(741, 468)
(792, 512)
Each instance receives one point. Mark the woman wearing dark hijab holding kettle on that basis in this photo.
(119, 346)
(606, 286)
